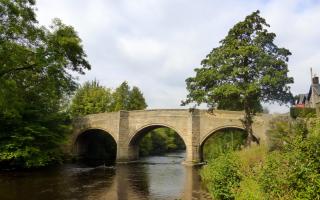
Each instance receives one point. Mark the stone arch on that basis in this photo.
(208, 134)
(212, 132)
(139, 133)
(81, 131)
(93, 137)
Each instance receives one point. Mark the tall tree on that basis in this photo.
(35, 80)
(91, 98)
(247, 65)
(121, 97)
(125, 98)
(136, 100)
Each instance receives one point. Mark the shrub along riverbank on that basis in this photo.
(288, 168)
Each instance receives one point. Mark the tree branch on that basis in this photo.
(4, 72)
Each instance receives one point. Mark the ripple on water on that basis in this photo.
(159, 177)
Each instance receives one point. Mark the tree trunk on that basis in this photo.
(247, 122)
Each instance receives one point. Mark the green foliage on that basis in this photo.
(146, 145)
(234, 103)
(249, 189)
(35, 144)
(222, 176)
(308, 157)
(273, 178)
(125, 98)
(223, 141)
(243, 167)
(290, 171)
(283, 130)
(121, 97)
(252, 160)
(296, 112)
(293, 172)
(247, 68)
(136, 100)
(304, 161)
(160, 141)
(91, 98)
(35, 81)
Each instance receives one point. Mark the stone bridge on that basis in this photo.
(193, 126)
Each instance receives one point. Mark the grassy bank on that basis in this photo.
(287, 168)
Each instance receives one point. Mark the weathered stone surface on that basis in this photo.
(194, 126)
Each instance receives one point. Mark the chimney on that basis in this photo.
(315, 80)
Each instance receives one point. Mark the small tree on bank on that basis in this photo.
(247, 67)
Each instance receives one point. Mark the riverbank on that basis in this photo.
(288, 168)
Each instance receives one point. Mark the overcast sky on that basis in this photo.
(156, 44)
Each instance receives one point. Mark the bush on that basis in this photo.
(222, 176)
(250, 189)
(304, 161)
(293, 172)
(274, 176)
(251, 162)
(289, 172)
(223, 141)
(296, 112)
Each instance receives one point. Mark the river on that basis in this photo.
(156, 178)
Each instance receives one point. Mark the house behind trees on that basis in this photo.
(312, 98)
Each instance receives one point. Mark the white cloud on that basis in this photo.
(137, 48)
(156, 44)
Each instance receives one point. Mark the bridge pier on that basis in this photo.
(123, 133)
(127, 154)
(193, 139)
(192, 156)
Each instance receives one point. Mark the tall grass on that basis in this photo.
(223, 141)
(288, 170)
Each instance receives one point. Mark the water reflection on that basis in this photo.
(161, 177)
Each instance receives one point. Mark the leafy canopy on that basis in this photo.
(35, 82)
(125, 98)
(93, 98)
(246, 66)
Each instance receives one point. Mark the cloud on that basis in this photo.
(136, 48)
(156, 44)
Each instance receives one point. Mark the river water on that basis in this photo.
(157, 177)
